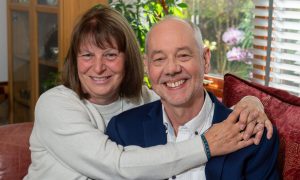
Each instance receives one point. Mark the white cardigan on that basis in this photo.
(68, 142)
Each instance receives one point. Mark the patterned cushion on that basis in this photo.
(282, 108)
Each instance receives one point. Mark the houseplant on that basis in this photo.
(143, 14)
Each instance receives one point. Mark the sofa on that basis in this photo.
(282, 109)
(14, 150)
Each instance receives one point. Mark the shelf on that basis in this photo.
(24, 57)
(19, 6)
(50, 63)
(47, 9)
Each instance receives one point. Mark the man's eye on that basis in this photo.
(158, 59)
(184, 57)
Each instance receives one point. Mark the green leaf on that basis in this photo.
(147, 81)
(182, 5)
(146, 7)
(158, 8)
(177, 12)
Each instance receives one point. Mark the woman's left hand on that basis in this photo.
(253, 119)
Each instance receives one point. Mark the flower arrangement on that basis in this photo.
(236, 57)
(232, 38)
(228, 29)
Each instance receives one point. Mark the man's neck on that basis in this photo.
(180, 115)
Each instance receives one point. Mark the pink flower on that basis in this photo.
(237, 54)
(233, 36)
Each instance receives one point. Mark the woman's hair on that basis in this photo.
(102, 26)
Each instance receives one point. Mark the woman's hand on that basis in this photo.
(227, 136)
(253, 119)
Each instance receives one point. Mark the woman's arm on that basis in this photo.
(64, 126)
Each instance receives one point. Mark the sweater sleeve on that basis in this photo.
(63, 126)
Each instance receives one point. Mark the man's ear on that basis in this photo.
(206, 58)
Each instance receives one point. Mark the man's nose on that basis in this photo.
(99, 64)
(172, 67)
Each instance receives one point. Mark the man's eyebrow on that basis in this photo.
(154, 52)
(184, 48)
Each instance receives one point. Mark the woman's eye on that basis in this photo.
(86, 55)
(111, 56)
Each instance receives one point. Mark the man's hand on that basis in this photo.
(227, 137)
(253, 119)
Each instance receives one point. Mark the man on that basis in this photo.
(176, 63)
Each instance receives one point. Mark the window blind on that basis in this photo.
(276, 44)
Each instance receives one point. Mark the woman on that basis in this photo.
(103, 76)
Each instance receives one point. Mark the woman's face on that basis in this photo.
(101, 72)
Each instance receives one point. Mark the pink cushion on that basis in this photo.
(282, 108)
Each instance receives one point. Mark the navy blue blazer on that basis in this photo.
(143, 126)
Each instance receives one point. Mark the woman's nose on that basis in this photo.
(99, 65)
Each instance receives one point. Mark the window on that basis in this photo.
(226, 27)
(276, 43)
(267, 50)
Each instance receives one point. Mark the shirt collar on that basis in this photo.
(196, 123)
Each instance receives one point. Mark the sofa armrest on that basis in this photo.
(14, 150)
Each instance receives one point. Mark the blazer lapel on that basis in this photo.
(214, 167)
(154, 129)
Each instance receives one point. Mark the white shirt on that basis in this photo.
(198, 125)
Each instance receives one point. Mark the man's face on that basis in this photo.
(176, 64)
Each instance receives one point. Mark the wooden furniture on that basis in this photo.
(3, 91)
(38, 39)
(3, 103)
(214, 85)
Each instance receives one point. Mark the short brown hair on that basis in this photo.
(103, 25)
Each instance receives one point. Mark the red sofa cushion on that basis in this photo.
(14, 150)
(282, 108)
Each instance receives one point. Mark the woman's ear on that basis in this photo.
(206, 58)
